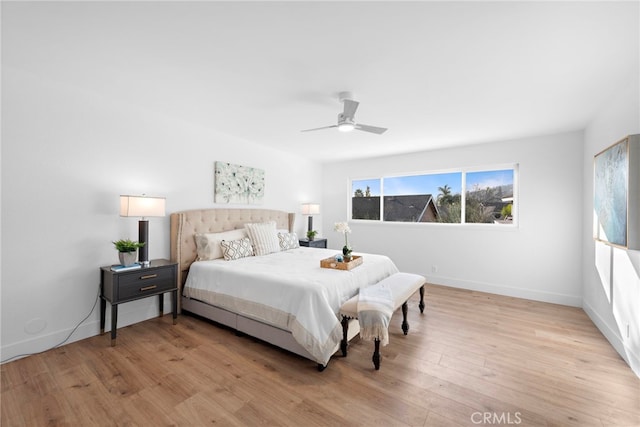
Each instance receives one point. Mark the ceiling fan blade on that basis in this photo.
(372, 129)
(350, 108)
(324, 127)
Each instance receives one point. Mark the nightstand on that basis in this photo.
(119, 287)
(315, 243)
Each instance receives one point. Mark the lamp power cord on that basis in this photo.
(63, 341)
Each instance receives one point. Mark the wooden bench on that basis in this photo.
(402, 286)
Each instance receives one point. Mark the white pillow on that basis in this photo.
(236, 249)
(288, 241)
(208, 244)
(264, 237)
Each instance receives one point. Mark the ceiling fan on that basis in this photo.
(346, 122)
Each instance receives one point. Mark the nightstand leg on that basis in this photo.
(174, 305)
(114, 322)
(103, 309)
(161, 304)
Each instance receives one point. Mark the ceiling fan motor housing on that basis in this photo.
(342, 119)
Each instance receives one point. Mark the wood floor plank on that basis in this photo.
(470, 355)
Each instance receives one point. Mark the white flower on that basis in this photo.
(342, 227)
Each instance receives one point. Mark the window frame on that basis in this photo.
(515, 205)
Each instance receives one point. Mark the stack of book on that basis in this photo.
(125, 267)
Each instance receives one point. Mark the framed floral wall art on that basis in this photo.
(238, 184)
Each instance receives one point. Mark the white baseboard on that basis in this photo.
(616, 341)
(128, 314)
(532, 294)
(47, 342)
(632, 359)
(92, 327)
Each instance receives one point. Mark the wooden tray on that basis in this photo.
(356, 260)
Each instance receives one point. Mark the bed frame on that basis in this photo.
(185, 224)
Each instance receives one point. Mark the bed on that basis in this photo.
(282, 297)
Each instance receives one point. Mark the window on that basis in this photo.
(366, 199)
(489, 197)
(437, 197)
(415, 198)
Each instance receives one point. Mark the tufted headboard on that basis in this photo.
(185, 224)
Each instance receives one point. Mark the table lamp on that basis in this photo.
(310, 209)
(143, 207)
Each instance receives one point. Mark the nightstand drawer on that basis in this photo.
(148, 281)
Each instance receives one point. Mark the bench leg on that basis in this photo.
(421, 305)
(405, 324)
(345, 329)
(376, 354)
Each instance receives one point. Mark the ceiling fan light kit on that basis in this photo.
(346, 122)
(346, 127)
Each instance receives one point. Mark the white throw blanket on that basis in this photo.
(375, 308)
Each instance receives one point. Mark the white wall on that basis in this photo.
(67, 155)
(611, 275)
(540, 259)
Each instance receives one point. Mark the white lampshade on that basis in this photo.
(310, 209)
(142, 206)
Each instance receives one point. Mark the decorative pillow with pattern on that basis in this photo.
(208, 244)
(288, 241)
(264, 237)
(236, 249)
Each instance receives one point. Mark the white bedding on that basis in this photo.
(288, 290)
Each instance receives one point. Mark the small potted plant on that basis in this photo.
(127, 251)
(311, 234)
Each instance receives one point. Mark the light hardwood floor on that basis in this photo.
(471, 359)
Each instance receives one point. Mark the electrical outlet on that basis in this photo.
(434, 268)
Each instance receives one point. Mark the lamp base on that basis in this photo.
(143, 237)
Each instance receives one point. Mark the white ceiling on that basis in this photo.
(436, 74)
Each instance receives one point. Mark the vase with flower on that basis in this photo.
(343, 227)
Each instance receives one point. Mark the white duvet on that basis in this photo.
(288, 290)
